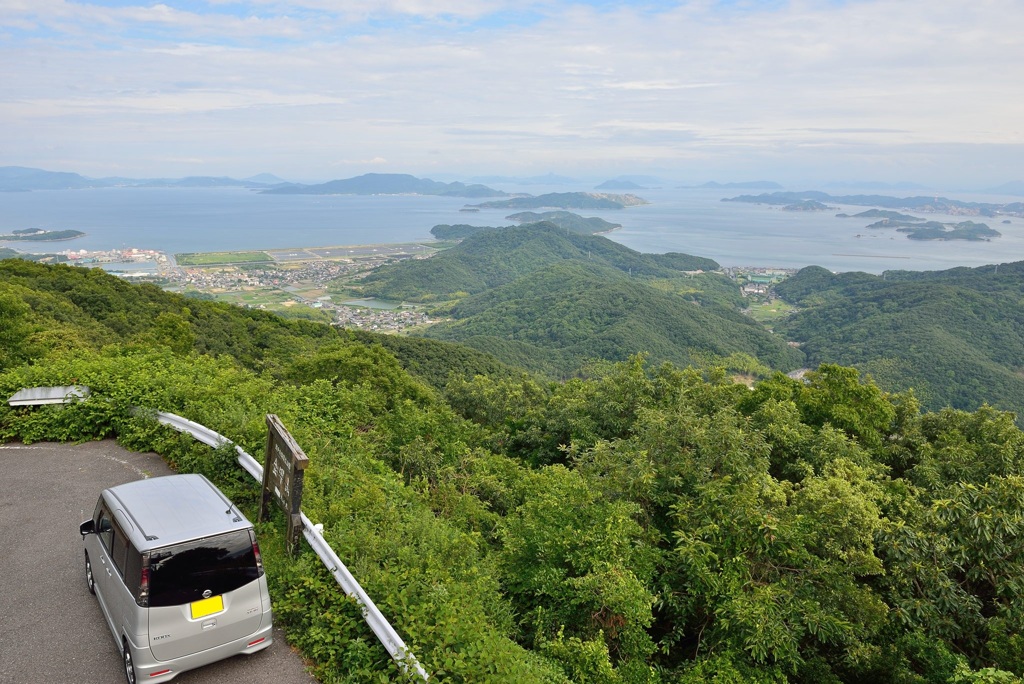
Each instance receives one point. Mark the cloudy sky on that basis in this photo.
(928, 91)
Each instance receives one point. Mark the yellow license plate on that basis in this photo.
(209, 606)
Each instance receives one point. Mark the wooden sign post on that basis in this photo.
(284, 463)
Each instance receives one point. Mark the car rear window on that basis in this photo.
(182, 573)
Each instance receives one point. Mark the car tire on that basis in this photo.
(90, 580)
(129, 663)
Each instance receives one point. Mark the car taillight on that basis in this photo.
(256, 552)
(144, 583)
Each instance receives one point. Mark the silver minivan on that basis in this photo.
(178, 575)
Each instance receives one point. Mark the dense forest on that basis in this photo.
(638, 522)
(555, 319)
(956, 337)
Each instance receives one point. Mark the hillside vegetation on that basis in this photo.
(567, 220)
(639, 525)
(549, 300)
(555, 319)
(956, 336)
(493, 258)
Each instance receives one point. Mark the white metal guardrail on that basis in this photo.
(379, 624)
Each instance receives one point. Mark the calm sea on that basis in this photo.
(176, 220)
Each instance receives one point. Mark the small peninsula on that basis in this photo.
(39, 235)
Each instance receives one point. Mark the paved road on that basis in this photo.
(51, 629)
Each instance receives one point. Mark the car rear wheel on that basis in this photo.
(129, 664)
(90, 581)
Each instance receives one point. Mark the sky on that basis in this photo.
(796, 91)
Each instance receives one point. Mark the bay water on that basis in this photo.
(695, 221)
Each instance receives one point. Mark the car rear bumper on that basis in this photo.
(149, 669)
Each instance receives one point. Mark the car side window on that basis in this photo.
(133, 572)
(105, 529)
(120, 550)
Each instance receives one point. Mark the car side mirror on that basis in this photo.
(88, 527)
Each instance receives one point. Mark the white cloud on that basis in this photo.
(576, 85)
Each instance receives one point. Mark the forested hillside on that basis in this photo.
(956, 336)
(492, 258)
(548, 300)
(557, 318)
(44, 310)
(640, 524)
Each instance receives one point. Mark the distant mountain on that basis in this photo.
(387, 184)
(619, 184)
(21, 179)
(557, 317)
(567, 200)
(932, 204)
(746, 185)
(882, 214)
(1011, 188)
(491, 258)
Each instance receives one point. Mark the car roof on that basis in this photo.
(167, 510)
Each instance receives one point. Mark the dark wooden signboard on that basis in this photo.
(283, 468)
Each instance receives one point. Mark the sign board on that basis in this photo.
(284, 463)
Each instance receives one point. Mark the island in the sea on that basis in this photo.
(808, 205)
(934, 230)
(938, 205)
(39, 235)
(882, 214)
(386, 184)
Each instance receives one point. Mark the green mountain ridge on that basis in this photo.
(566, 220)
(492, 258)
(956, 336)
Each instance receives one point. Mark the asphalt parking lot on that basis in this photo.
(51, 628)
